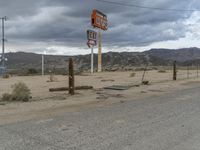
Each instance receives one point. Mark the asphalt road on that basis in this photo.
(168, 122)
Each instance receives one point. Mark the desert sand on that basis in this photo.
(45, 104)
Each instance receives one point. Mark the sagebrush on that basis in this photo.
(20, 92)
(162, 71)
(132, 74)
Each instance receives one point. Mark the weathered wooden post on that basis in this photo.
(188, 72)
(174, 71)
(71, 77)
(145, 69)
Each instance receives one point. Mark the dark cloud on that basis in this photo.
(65, 21)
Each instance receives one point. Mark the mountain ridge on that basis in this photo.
(119, 60)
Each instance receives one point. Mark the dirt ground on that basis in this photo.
(45, 104)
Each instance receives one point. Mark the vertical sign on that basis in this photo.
(92, 40)
(99, 20)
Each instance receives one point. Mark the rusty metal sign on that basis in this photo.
(99, 20)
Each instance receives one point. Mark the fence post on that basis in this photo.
(188, 72)
(145, 69)
(197, 70)
(174, 71)
(71, 77)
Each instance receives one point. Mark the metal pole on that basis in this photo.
(3, 46)
(42, 64)
(92, 60)
(100, 53)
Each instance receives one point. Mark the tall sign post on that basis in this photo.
(92, 41)
(99, 52)
(99, 20)
(43, 62)
(3, 41)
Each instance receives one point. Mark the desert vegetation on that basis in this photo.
(20, 92)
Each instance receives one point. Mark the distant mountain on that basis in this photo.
(181, 55)
(111, 60)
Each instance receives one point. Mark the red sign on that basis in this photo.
(99, 20)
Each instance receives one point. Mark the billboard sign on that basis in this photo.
(99, 20)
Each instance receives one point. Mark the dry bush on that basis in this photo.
(145, 82)
(6, 76)
(6, 97)
(52, 78)
(132, 74)
(32, 71)
(20, 92)
(162, 71)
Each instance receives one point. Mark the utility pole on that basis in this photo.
(3, 40)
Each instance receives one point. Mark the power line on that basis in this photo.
(146, 7)
(3, 40)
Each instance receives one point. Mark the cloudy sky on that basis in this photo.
(59, 26)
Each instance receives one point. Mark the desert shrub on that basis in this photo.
(21, 92)
(145, 82)
(161, 71)
(32, 71)
(6, 76)
(132, 74)
(6, 97)
(52, 78)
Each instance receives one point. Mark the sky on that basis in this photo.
(59, 26)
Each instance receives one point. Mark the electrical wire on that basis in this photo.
(146, 7)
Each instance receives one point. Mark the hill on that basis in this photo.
(111, 60)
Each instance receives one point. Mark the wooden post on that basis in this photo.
(145, 69)
(188, 72)
(197, 70)
(100, 52)
(71, 77)
(174, 71)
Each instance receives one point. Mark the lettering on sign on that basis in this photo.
(91, 35)
(99, 20)
(92, 38)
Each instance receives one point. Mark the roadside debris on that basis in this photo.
(104, 95)
(107, 80)
(66, 88)
(117, 87)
